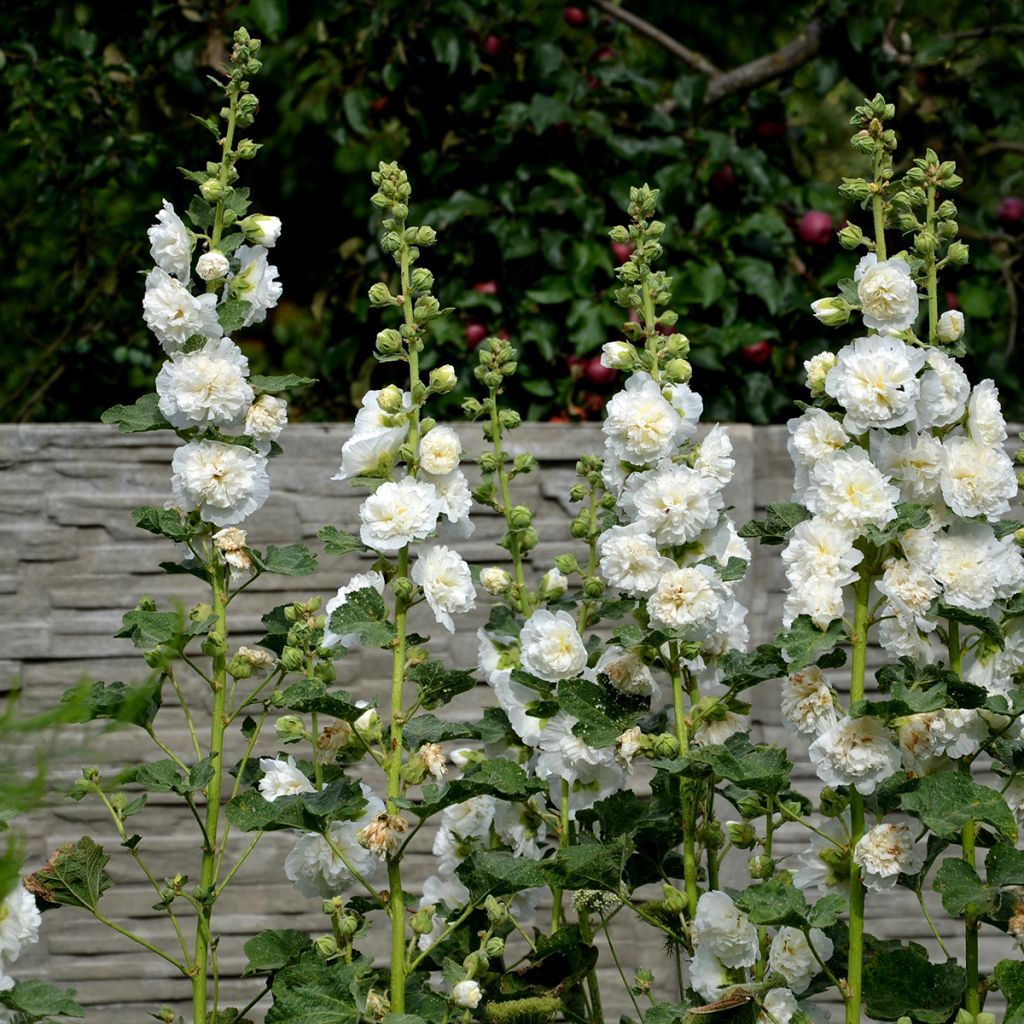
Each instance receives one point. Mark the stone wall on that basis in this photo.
(71, 562)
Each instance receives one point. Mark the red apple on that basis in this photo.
(757, 353)
(598, 375)
(1011, 211)
(771, 129)
(622, 251)
(605, 53)
(492, 45)
(380, 103)
(815, 227)
(475, 333)
(486, 287)
(722, 184)
(574, 16)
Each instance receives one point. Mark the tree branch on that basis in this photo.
(722, 84)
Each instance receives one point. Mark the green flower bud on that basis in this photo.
(509, 420)
(862, 142)
(442, 379)
(832, 312)
(404, 588)
(215, 645)
(247, 149)
(741, 834)
(577, 492)
(750, 807)
(958, 254)
(831, 804)
(678, 370)
(665, 745)
(422, 922)
(567, 564)
(643, 981)
(520, 518)
(497, 912)
(528, 539)
(292, 659)
(380, 295)
(855, 188)
(761, 867)
(851, 236)
(348, 925)
(333, 906)
(212, 190)
(925, 242)
(619, 234)
(1019, 537)
(494, 947)
(426, 235)
(290, 729)
(475, 963)
(593, 588)
(580, 527)
(426, 308)
(675, 901)
(712, 836)
(472, 408)
(947, 210)
(391, 399)
(240, 667)
(328, 946)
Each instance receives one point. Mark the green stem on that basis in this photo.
(514, 548)
(651, 343)
(878, 210)
(933, 274)
(219, 678)
(557, 915)
(931, 923)
(618, 967)
(229, 138)
(686, 795)
(855, 961)
(593, 983)
(163, 954)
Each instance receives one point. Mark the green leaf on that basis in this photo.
(546, 111)
(901, 982)
(604, 712)
(232, 314)
(436, 684)
(163, 521)
(338, 542)
(827, 911)
(761, 279)
(741, 671)
(1004, 865)
(144, 415)
(909, 516)
(774, 902)
(589, 866)
(959, 885)
(36, 999)
(273, 949)
(269, 16)
(365, 615)
(74, 875)
(982, 623)
(430, 729)
(165, 777)
(263, 385)
(946, 801)
(131, 705)
(292, 560)
(1009, 976)
(312, 695)
(149, 629)
(340, 800)
(803, 643)
(313, 991)
(782, 517)
(495, 777)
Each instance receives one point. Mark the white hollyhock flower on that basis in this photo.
(212, 266)
(470, 819)
(813, 437)
(856, 752)
(521, 826)
(207, 387)
(467, 994)
(719, 728)
(977, 480)
(985, 421)
(444, 889)
(875, 381)
(792, 956)
(826, 865)
(617, 355)
(440, 451)
(849, 489)
(319, 866)
(714, 457)
(675, 503)
(709, 977)
(19, 923)
(913, 461)
(564, 755)
(225, 482)
(231, 543)
(553, 584)
(944, 391)
(626, 671)
(174, 314)
(361, 581)
(282, 778)
(447, 585)
(686, 599)
(398, 513)
(256, 282)
(494, 580)
(456, 499)
(263, 229)
(630, 560)
(887, 293)
(900, 637)
(496, 663)
(951, 326)
(724, 930)
(885, 852)
(975, 567)
(818, 597)
(779, 1006)
(170, 244)
(688, 404)
(376, 435)
(628, 745)
(817, 368)
(1014, 797)
(551, 648)
(265, 420)
(909, 589)
(808, 703)
(949, 733)
(641, 425)
(823, 550)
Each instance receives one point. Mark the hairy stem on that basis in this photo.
(514, 548)
(683, 736)
(933, 274)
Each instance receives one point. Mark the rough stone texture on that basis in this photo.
(71, 562)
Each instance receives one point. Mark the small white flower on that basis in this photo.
(212, 266)
(376, 435)
(875, 381)
(818, 597)
(231, 543)
(719, 728)
(398, 513)
(714, 457)
(977, 480)
(813, 437)
(282, 778)
(688, 404)
(792, 956)
(817, 368)
(641, 425)
(849, 489)
(820, 549)
(808, 703)
(470, 819)
(630, 560)
(626, 671)
(909, 589)
(675, 503)
(553, 584)
(440, 451)
(494, 580)
(709, 977)
(826, 865)
(856, 752)
(256, 282)
(686, 599)
(617, 355)
(779, 1007)
(913, 461)
(551, 648)
(207, 387)
(446, 582)
(361, 581)
(225, 482)
(951, 326)
(883, 853)
(174, 314)
(975, 568)
(263, 229)
(467, 994)
(456, 499)
(266, 418)
(887, 293)
(944, 391)
(19, 923)
(985, 421)
(170, 243)
(628, 745)
(724, 930)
